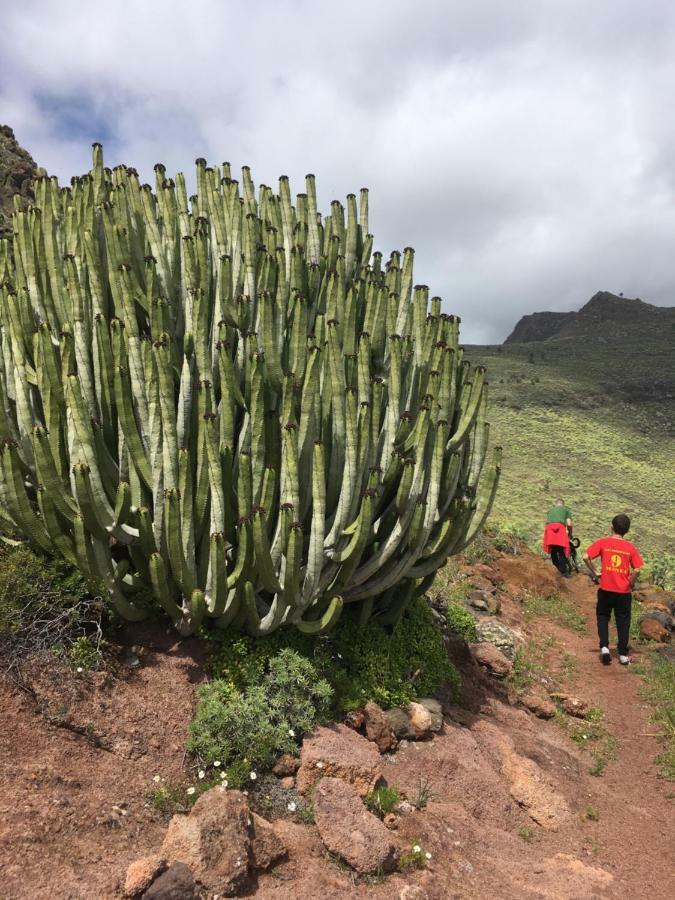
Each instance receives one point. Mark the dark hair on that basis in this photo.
(620, 524)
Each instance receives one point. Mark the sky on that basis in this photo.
(524, 148)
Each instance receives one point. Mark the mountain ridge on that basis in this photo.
(613, 312)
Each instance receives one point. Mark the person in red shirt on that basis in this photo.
(621, 562)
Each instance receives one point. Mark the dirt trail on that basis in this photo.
(637, 817)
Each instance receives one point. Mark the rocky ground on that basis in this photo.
(500, 802)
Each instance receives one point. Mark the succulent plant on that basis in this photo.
(233, 400)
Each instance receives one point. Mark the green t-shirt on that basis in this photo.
(559, 514)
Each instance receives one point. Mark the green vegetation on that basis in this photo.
(84, 654)
(182, 379)
(591, 814)
(659, 690)
(526, 832)
(391, 669)
(570, 427)
(361, 662)
(661, 570)
(461, 622)
(382, 800)
(529, 664)
(424, 794)
(557, 609)
(415, 858)
(251, 728)
(592, 735)
(46, 605)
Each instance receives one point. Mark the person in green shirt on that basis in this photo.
(557, 539)
(560, 513)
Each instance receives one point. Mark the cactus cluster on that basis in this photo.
(233, 401)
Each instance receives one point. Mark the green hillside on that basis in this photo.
(588, 413)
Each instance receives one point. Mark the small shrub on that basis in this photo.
(662, 570)
(461, 622)
(415, 858)
(368, 663)
(382, 800)
(242, 660)
(599, 765)
(84, 654)
(45, 605)
(360, 662)
(251, 728)
(424, 794)
(591, 814)
(526, 833)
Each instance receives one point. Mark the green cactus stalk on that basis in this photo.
(232, 401)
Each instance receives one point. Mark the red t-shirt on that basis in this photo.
(619, 556)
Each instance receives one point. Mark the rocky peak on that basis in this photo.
(614, 314)
(17, 169)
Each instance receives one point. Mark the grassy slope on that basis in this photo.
(591, 419)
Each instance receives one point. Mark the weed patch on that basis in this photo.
(461, 622)
(382, 800)
(659, 690)
(526, 833)
(251, 728)
(557, 609)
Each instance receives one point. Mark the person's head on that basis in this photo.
(559, 501)
(620, 524)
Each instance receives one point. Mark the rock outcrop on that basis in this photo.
(350, 831)
(17, 170)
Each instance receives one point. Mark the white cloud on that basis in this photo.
(525, 148)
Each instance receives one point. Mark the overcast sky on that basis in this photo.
(525, 148)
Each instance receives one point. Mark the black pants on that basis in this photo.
(620, 603)
(559, 559)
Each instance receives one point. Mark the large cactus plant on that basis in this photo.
(232, 400)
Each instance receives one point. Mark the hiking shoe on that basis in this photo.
(624, 660)
(605, 656)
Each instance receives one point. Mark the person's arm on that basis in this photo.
(568, 521)
(637, 563)
(592, 553)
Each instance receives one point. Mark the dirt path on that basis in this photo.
(637, 817)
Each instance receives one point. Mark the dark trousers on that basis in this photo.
(620, 603)
(559, 559)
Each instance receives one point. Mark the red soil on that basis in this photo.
(74, 815)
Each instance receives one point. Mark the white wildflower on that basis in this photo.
(80, 669)
(223, 781)
(216, 763)
(157, 778)
(191, 791)
(201, 773)
(428, 855)
(291, 807)
(417, 849)
(291, 733)
(319, 765)
(252, 776)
